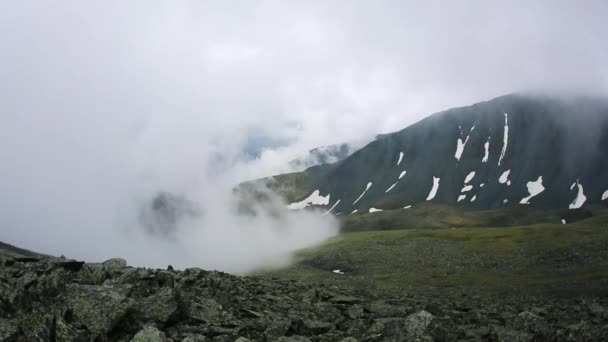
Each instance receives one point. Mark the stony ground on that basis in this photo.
(51, 299)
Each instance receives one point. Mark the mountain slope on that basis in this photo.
(524, 150)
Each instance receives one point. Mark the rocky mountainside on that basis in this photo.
(55, 299)
(514, 150)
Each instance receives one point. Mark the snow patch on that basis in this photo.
(314, 199)
(407, 207)
(369, 185)
(563, 221)
(486, 155)
(469, 177)
(605, 195)
(400, 158)
(482, 185)
(580, 197)
(474, 198)
(434, 189)
(374, 210)
(354, 211)
(461, 144)
(505, 140)
(504, 178)
(461, 198)
(402, 174)
(391, 188)
(572, 186)
(534, 188)
(460, 148)
(467, 188)
(338, 272)
(332, 208)
(505, 201)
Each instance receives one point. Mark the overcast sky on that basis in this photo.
(99, 99)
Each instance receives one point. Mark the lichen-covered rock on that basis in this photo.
(44, 299)
(67, 333)
(149, 334)
(98, 308)
(202, 309)
(8, 330)
(416, 325)
(159, 307)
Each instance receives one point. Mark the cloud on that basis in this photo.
(102, 105)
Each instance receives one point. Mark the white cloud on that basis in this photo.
(102, 104)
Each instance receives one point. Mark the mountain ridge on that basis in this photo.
(552, 159)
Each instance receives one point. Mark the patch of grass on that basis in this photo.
(483, 258)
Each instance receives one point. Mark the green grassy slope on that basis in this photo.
(540, 257)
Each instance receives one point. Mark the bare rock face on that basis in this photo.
(163, 214)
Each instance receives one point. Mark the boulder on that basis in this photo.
(99, 308)
(149, 334)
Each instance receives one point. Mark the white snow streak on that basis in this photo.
(461, 198)
(338, 272)
(474, 198)
(486, 156)
(407, 207)
(354, 211)
(580, 197)
(314, 199)
(563, 221)
(469, 177)
(482, 185)
(374, 210)
(460, 148)
(572, 186)
(504, 178)
(402, 174)
(505, 140)
(332, 208)
(369, 185)
(460, 144)
(605, 195)
(534, 188)
(467, 188)
(433, 192)
(391, 188)
(400, 158)
(505, 201)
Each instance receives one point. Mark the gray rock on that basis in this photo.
(354, 311)
(149, 334)
(203, 309)
(195, 338)
(67, 333)
(416, 324)
(8, 330)
(503, 334)
(99, 308)
(114, 264)
(317, 327)
(159, 307)
(242, 339)
(294, 338)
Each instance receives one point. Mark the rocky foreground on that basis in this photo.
(50, 299)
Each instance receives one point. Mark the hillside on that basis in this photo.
(515, 150)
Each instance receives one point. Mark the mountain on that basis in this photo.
(324, 155)
(538, 151)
